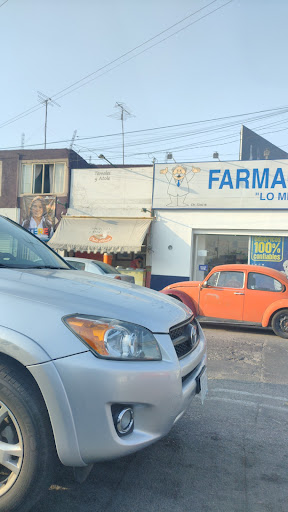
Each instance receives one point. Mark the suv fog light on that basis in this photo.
(123, 417)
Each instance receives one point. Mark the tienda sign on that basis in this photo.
(253, 185)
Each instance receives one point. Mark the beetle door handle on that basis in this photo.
(238, 293)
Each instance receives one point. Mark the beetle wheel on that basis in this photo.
(280, 323)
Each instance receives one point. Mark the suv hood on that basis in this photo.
(29, 295)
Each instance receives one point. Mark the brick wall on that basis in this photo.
(11, 161)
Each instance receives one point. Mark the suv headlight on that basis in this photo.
(113, 339)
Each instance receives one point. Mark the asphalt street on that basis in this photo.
(229, 455)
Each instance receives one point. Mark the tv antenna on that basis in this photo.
(42, 98)
(22, 140)
(73, 139)
(121, 114)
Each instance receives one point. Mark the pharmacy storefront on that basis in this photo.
(211, 213)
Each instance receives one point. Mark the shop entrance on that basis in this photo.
(212, 250)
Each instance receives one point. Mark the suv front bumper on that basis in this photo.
(80, 390)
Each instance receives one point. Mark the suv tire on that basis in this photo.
(27, 462)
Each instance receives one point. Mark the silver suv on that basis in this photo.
(90, 368)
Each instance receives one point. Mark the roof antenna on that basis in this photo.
(73, 139)
(42, 98)
(121, 114)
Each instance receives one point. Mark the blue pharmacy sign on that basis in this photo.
(259, 184)
(270, 251)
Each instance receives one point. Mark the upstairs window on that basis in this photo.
(42, 178)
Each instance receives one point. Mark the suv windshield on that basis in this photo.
(20, 249)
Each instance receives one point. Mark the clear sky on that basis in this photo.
(233, 61)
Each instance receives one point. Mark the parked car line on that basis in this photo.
(242, 294)
(90, 368)
(98, 267)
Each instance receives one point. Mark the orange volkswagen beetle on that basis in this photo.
(242, 294)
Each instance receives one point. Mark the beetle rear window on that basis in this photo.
(262, 282)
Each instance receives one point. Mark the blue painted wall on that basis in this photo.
(159, 282)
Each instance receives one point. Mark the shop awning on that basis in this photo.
(94, 234)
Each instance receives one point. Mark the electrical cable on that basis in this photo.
(273, 112)
(135, 48)
(143, 51)
(60, 95)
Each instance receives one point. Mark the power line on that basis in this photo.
(195, 145)
(136, 48)
(194, 133)
(275, 111)
(60, 95)
(142, 51)
(4, 3)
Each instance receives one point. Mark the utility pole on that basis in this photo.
(122, 123)
(122, 114)
(42, 98)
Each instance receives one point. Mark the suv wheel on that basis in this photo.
(27, 450)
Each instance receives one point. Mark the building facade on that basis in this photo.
(109, 216)
(183, 219)
(31, 179)
(214, 213)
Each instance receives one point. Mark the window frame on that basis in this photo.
(32, 180)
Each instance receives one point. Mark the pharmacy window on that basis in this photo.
(42, 178)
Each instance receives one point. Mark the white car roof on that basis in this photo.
(82, 260)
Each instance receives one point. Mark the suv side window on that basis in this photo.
(263, 283)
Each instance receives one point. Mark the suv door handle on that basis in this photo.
(238, 293)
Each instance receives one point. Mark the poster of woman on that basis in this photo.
(38, 215)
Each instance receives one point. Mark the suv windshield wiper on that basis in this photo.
(14, 266)
(50, 266)
(27, 267)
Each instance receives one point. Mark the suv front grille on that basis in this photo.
(185, 338)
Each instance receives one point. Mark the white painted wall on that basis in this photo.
(111, 192)
(175, 227)
(11, 213)
(170, 229)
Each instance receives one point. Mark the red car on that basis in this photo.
(242, 294)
